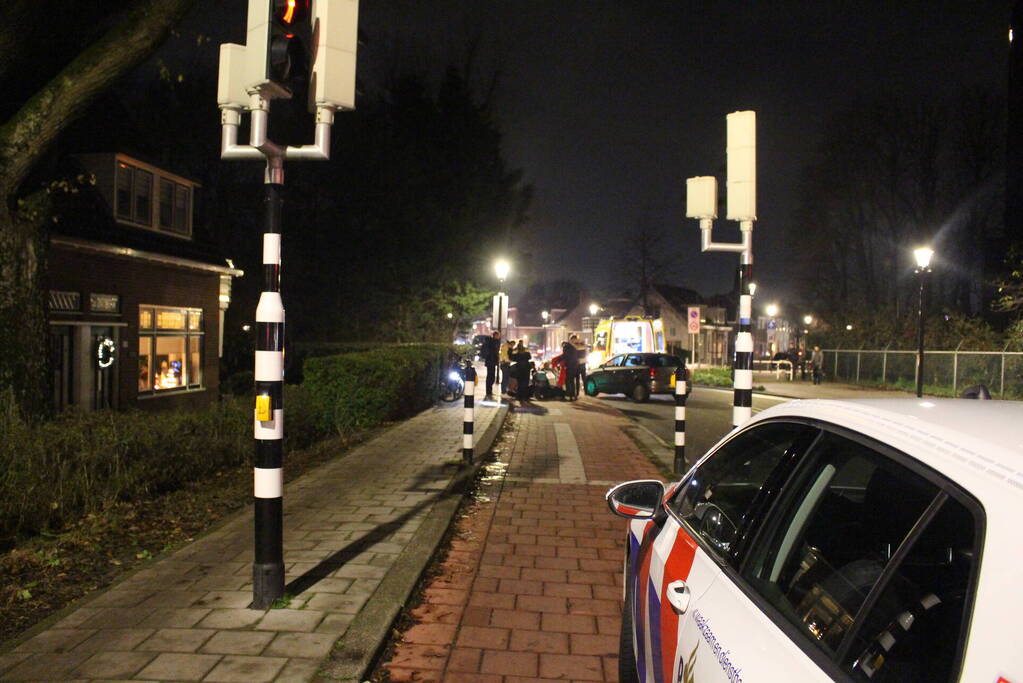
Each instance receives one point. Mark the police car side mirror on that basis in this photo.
(636, 499)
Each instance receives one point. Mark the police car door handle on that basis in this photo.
(678, 596)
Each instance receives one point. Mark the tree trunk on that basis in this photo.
(24, 364)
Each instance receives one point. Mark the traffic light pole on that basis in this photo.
(268, 424)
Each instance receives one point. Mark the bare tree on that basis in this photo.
(645, 261)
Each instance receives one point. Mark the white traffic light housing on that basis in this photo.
(287, 42)
(742, 165)
(702, 197)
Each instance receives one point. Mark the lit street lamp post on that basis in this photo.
(500, 312)
(923, 261)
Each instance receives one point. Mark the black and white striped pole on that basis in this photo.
(701, 203)
(268, 475)
(742, 405)
(249, 77)
(681, 394)
(469, 417)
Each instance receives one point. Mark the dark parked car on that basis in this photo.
(637, 375)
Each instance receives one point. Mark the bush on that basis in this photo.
(713, 377)
(360, 390)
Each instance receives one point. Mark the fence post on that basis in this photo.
(1001, 382)
(859, 357)
(837, 351)
(469, 375)
(884, 364)
(955, 369)
(681, 394)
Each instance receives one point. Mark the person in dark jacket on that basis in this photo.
(489, 354)
(521, 367)
(569, 354)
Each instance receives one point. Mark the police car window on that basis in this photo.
(833, 534)
(634, 361)
(719, 498)
(614, 362)
(912, 632)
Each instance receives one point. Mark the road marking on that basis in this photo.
(570, 462)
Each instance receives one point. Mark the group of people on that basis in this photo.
(516, 366)
(514, 360)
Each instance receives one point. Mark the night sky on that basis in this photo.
(608, 106)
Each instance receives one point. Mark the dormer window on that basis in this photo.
(147, 197)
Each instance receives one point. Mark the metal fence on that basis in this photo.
(1000, 371)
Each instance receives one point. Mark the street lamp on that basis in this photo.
(848, 328)
(922, 255)
(808, 319)
(501, 268)
(593, 309)
(772, 310)
(545, 315)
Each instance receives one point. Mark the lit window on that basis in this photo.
(170, 349)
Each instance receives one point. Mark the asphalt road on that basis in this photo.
(708, 416)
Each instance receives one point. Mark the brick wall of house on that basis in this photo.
(138, 283)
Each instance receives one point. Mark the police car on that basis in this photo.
(833, 540)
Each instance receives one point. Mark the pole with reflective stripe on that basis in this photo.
(681, 393)
(742, 408)
(469, 418)
(268, 472)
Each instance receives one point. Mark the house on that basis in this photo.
(137, 291)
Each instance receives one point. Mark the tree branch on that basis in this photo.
(27, 135)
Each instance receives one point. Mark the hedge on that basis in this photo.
(358, 390)
(56, 472)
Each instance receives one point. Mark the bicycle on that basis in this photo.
(452, 386)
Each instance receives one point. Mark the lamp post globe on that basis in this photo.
(808, 319)
(501, 269)
(772, 310)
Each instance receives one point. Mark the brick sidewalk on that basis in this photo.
(354, 536)
(531, 589)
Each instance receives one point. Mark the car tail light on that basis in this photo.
(653, 373)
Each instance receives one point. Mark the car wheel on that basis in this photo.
(640, 393)
(626, 653)
(591, 388)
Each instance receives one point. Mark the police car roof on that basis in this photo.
(971, 441)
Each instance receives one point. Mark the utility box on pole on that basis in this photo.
(741, 150)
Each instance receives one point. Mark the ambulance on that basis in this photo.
(631, 334)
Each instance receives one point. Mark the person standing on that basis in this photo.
(580, 359)
(568, 357)
(817, 361)
(490, 355)
(521, 368)
(504, 359)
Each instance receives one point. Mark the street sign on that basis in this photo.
(694, 320)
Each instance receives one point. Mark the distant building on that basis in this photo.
(136, 300)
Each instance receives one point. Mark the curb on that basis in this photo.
(354, 652)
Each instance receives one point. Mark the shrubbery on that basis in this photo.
(359, 390)
(58, 471)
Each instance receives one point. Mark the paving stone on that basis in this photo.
(298, 671)
(117, 617)
(225, 599)
(179, 667)
(335, 623)
(55, 640)
(337, 602)
(9, 659)
(230, 618)
(237, 643)
(303, 645)
(290, 620)
(48, 666)
(115, 639)
(174, 618)
(176, 640)
(120, 598)
(112, 664)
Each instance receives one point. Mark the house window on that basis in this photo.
(153, 200)
(170, 349)
(143, 197)
(182, 209)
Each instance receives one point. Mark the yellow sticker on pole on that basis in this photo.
(263, 408)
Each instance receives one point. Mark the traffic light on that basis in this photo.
(289, 43)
